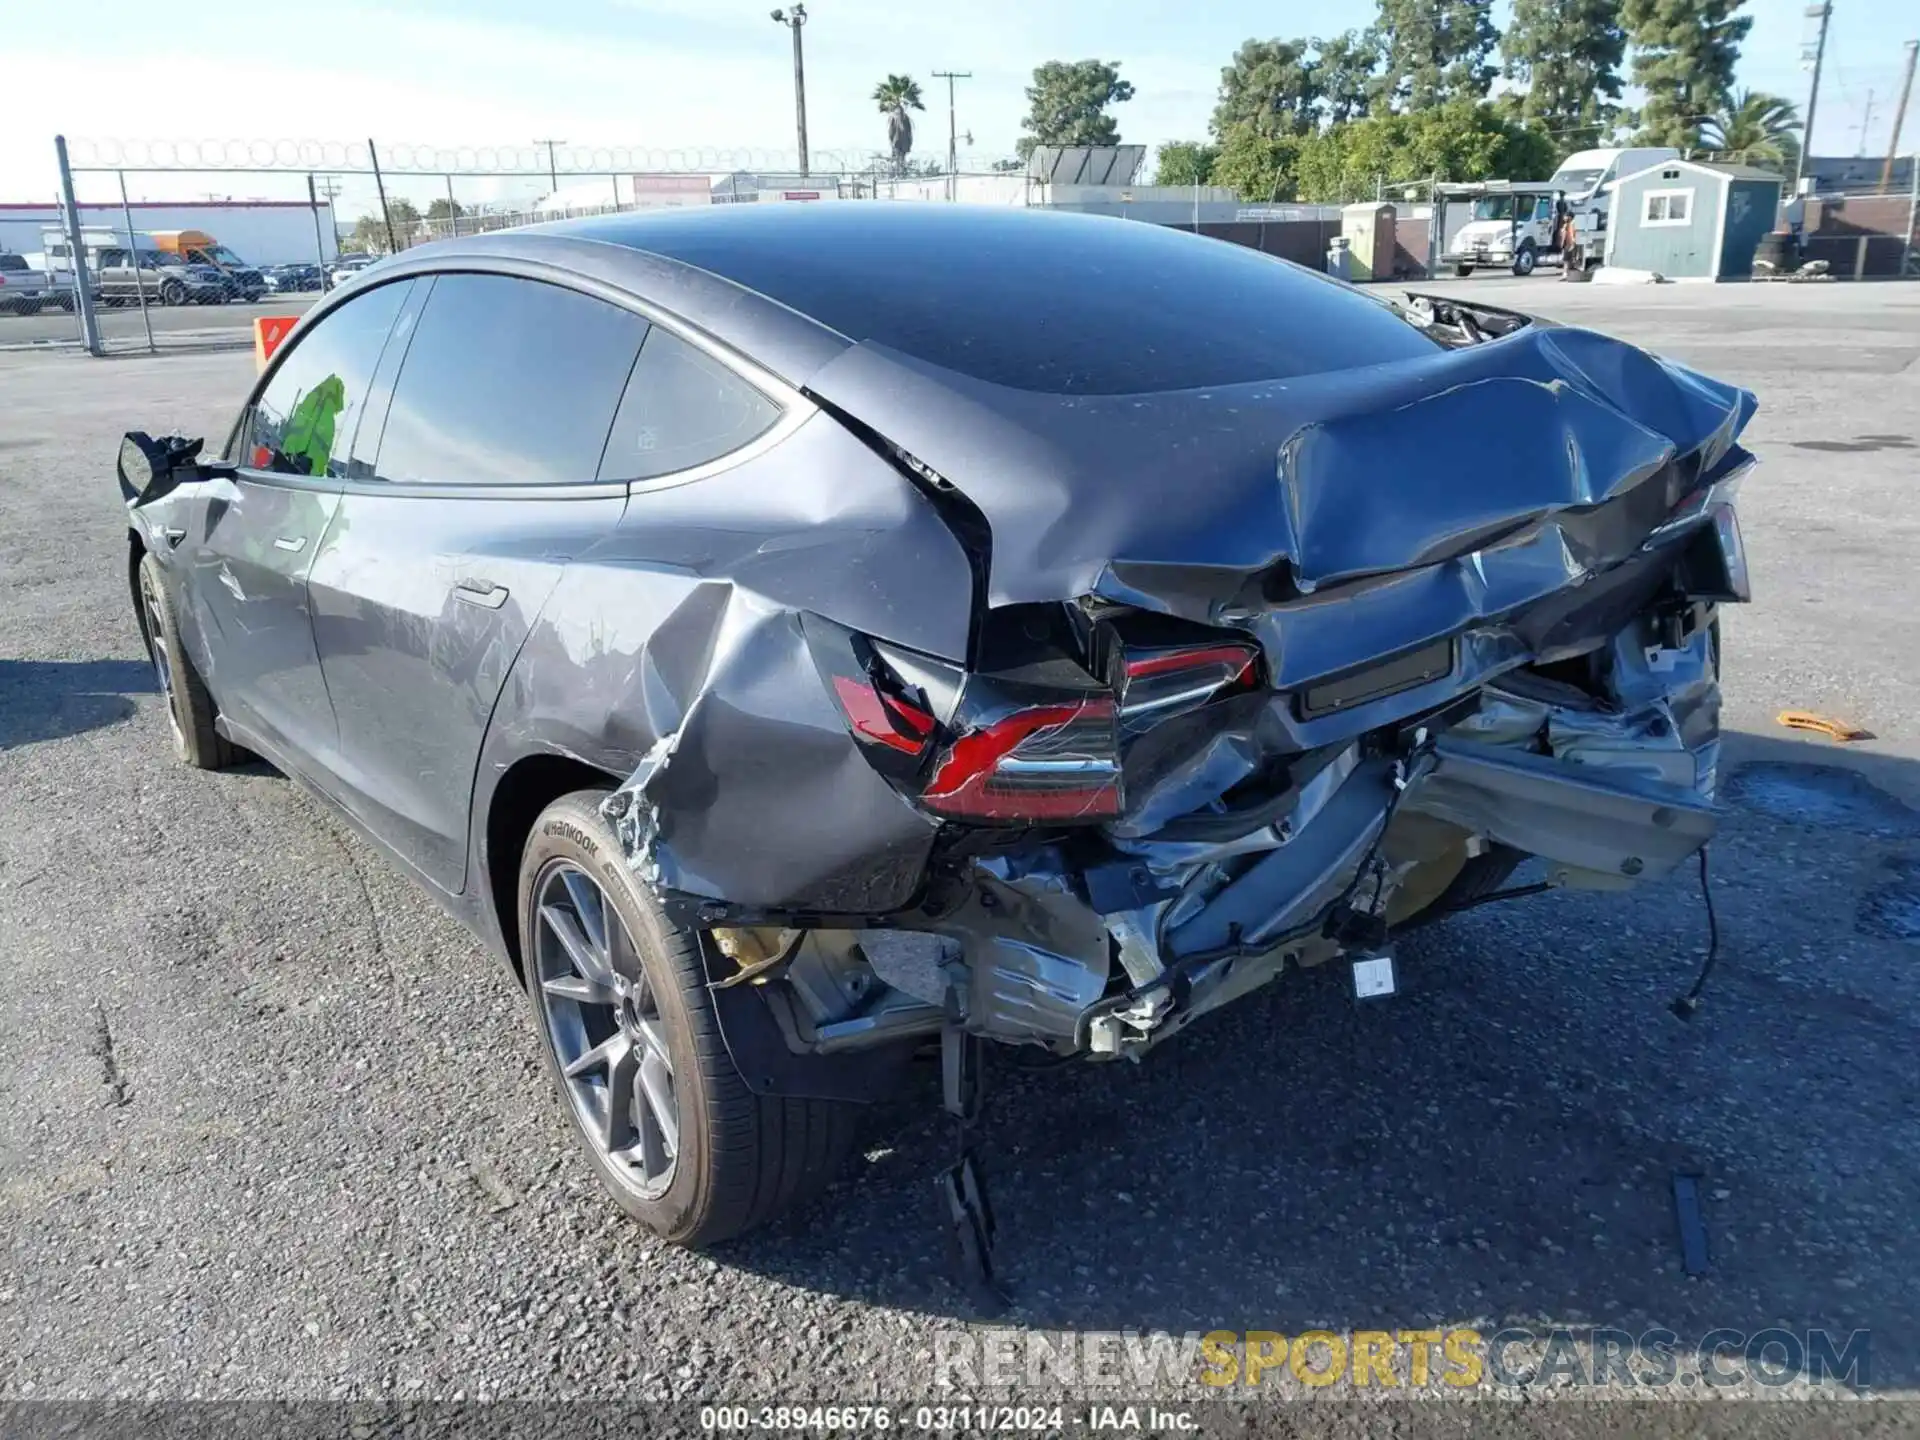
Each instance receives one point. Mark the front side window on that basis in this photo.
(507, 382)
(682, 408)
(303, 421)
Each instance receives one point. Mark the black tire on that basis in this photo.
(1479, 877)
(741, 1158)
(172, 292)
(190, 708)
(1463, 271)
(1524, 262)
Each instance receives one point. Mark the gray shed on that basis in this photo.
(1691, 220)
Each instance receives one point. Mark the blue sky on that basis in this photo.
(703, 74)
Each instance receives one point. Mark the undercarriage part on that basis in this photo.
(1293, 883)
(1034, 956)
(1612, 823)
(962, 1187)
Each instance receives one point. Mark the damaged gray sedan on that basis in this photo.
(797, 638)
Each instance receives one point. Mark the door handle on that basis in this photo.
(480, 592)
(293, 544)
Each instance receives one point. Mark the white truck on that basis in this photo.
(1519, 224)
(1497, 224)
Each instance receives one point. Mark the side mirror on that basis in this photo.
(150, 468)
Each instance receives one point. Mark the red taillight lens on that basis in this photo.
(1044, 763)
(882, 718)
(1160, 684)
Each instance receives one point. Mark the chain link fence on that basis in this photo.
(264, 222)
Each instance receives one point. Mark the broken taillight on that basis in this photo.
(881, 717)
(1056, 762)
(1159, 684)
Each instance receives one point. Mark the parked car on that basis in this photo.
(23, 289)
(292, 279)
(795, 640)
(346, 267)
(163, 276)
(238, 280)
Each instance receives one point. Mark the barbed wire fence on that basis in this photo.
(401, 194)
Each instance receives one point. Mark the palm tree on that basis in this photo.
(896, 95)
(1754, 126)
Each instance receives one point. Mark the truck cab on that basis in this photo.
(240, 280)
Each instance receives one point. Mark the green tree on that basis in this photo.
(896, 95)
(1433, 51)
(1262, 168)
(1567, 54)
(1271, 85)
(370, 231)
(1344, 68)
(446, 210)
(1184, 162)
(1759, 128)
(1462, 140)
(1684, 54)
(1067, 104)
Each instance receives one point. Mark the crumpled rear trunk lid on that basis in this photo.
(1561, 446)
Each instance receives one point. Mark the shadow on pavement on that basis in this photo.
(50, 699)
(1496, 1144)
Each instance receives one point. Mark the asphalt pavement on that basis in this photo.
(174, 326)
(273, 1126)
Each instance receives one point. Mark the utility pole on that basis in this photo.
(380, 184)
(793, 19)
(1900, 118)
(953, 133)
(1822, 12)
(553, 168)
(1866, 126)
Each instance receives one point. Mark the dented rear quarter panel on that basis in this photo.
(683, 625)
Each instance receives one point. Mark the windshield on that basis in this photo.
(1493, 207)
(225, 256)
(1576, 181)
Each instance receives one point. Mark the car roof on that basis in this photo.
(1032, 299)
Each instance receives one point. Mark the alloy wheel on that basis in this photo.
(154, 614)
(602, 1018)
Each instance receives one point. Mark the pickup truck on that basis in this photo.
(23, 289)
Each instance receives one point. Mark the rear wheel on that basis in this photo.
(619, 996)
(1463, 270)
(190, 708)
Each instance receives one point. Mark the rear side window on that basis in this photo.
(682, 408)
(13, 262)
(507, 382)
(303, 422)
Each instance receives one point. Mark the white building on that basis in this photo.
(261, 232)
